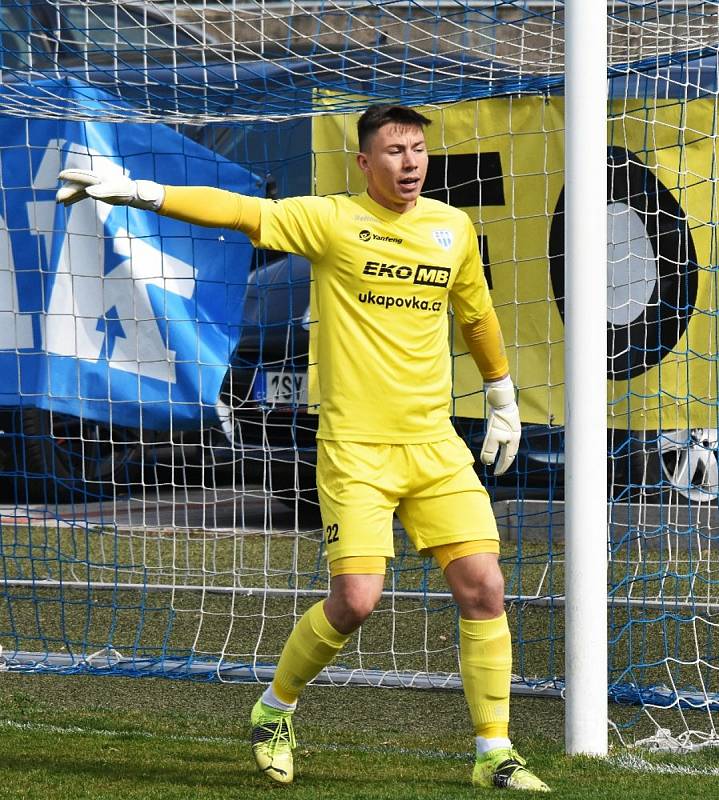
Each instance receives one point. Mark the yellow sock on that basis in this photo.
(312, 645)
(485, 660)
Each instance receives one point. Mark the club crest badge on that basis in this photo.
(443, 238)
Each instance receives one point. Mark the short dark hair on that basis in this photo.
(377, 116)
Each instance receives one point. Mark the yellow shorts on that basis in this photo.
(433, 488)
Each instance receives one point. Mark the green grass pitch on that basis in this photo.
(80, 736)
(93, 737)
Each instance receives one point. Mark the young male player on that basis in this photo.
(387, 265)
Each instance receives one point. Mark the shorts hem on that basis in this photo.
(365, 553)
(425, 550)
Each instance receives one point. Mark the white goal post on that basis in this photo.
(157, 451)
(585, 354)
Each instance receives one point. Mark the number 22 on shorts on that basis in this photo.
(333, 533)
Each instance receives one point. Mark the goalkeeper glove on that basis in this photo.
(504, 427)
(79, 184)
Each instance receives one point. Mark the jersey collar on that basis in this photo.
(386, 214)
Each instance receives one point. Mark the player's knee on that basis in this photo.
(348, 614)
(491, 583)
(489, 591)
(358, 610)
(482, 594)
(348, 606)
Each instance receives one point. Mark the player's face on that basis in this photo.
(395, 166)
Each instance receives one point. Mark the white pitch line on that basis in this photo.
(73, 730)
(626, 761)
(636, 763)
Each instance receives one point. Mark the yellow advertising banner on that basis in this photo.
(501, 160)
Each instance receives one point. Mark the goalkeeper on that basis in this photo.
(386, 264)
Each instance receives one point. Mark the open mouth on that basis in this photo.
(409, 183)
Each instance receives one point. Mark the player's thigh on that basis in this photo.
(453, 507)
(356, 500)
(455, 518)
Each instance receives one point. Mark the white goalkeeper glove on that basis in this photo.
(79, 184)
(504, 427)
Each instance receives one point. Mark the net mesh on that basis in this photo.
(200, 62)
(159, 513)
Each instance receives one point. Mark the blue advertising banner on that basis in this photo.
(111, 313)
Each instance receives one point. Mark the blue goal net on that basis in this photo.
(157, 441)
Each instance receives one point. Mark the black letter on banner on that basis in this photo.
(641, 344)
(484, 254)
(466, 180)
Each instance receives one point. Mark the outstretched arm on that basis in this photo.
(200, 205)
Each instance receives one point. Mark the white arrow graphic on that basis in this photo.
(87, 305)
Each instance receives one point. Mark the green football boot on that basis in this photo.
(504, 768)
(273, 739)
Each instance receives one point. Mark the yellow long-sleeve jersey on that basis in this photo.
(383, 282)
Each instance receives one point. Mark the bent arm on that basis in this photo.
(213, 208)
(486, 346)
(504, 426)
